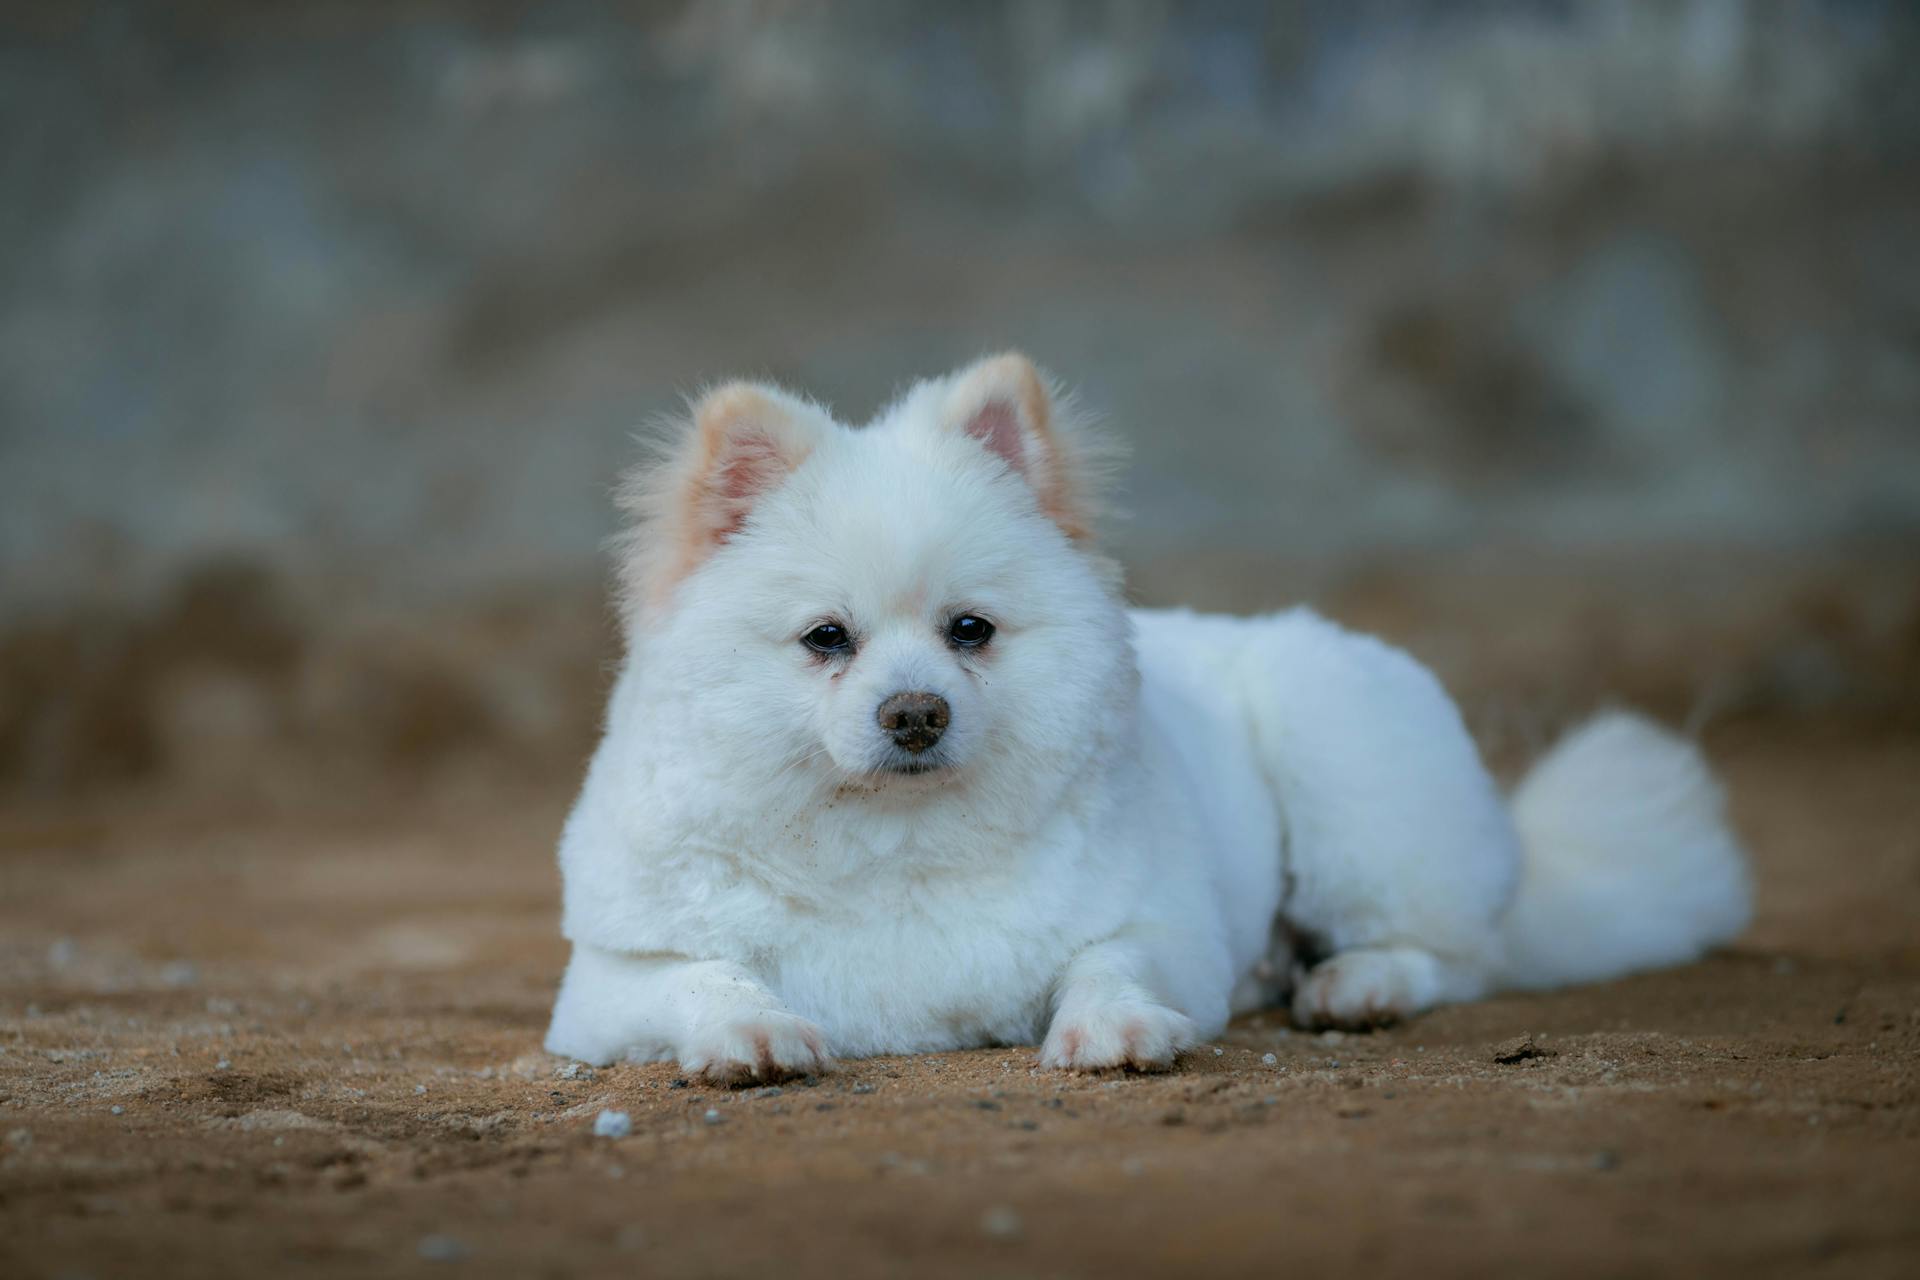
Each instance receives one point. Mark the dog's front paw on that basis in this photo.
(762, 1047)
(1146, 1037)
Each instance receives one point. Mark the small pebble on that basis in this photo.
(118, 1110)
(1218, 1051)
(713, 1116)
(1519, 1049)
(221, 1065)
(419, 1088)
(863, 1088)
(1268, 1059)
(614, 1124)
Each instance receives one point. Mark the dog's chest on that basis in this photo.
(923, 976)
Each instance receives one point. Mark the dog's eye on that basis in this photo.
(969, 631)
(828, 637)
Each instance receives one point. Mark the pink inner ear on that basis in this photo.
(750, 465)
(997, 426)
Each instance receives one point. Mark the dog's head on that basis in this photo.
(910, 605)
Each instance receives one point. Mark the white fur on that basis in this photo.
(1629, 861)
(1134, 806)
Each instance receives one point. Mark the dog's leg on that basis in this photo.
(1399, 853)
(1106, 1014)
(718, 1020)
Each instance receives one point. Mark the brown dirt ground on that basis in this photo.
(304, 1043)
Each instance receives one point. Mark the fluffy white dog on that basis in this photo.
(892, 768)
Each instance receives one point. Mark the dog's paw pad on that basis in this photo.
(758, 1048)
(1146, 1037)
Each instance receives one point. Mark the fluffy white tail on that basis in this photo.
(1629, 862)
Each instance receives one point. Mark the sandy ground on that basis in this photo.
(307, 1043)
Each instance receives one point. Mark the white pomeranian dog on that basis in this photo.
(891, 767)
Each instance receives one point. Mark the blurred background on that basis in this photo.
(1574, 345)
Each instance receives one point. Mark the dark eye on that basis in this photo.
(828, 637)
(969, 631)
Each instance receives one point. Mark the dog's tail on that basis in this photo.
(1629, 861)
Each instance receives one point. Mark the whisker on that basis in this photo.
(789, 767)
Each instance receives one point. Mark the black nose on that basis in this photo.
(914, 720)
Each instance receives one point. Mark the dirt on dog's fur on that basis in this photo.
(238, 1043)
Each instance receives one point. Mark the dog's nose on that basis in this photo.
(915, 721)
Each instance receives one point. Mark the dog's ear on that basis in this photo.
(1006, 404)
(747, 440)
(744, 440)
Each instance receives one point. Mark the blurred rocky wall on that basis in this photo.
(332, 322)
